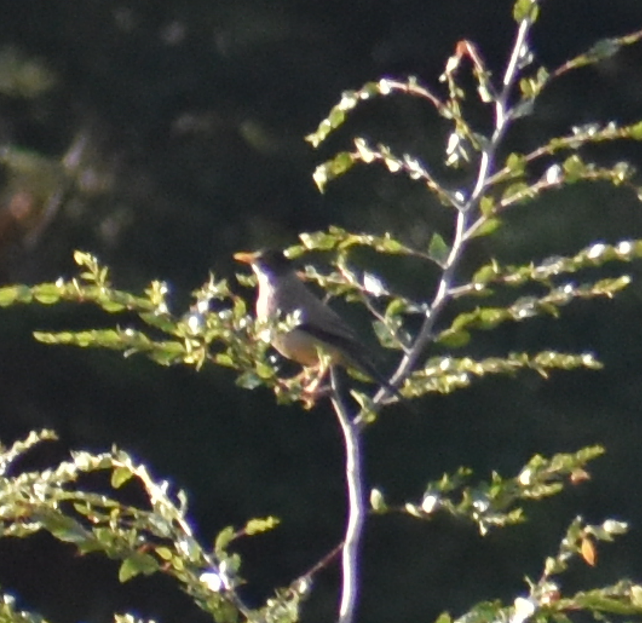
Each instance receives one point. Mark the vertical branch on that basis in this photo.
(464, 213)
(356, 505)
(352, 428)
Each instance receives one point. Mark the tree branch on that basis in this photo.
(356, 505)
(486, 166)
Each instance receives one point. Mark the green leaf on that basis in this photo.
(490, 317)
(84, 259)
(120, 476)
(525, 9)
(167, 353)
(64, 528)
(438, 250)
(444, 617)
(635, 131)
(15, 294)
(249, 380)
(488, 226)
(331, 169)
(574, 168)
(256, 526)
(516, 164)
(517, 189)
(487, 206)
(636, 596)
(112, 307)
(135, 565)
(390, 333)
(224, 538)
(453, 338)
(603, 49)
(486, 274)
(164, 553)
(322, 240)
(337, 117)
(47, 293)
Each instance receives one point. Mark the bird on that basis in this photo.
(321, 329)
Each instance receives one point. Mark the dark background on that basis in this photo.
(164, 136)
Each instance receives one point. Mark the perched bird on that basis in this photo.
(280, 291)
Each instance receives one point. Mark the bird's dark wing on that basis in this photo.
(353, 352)
(344, 342)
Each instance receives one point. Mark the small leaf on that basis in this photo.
(135, 565)
(527, 106)
(515, 190)
(453, 338)
(331, 169)
(516, 164)
(47, 293)
(487, 206)
(636, 595)
(486, 274)
(574, 168)
(15, 294)
(605, 48)
(390, 333)
(224, 538)
(377, 501)
(438, 250)
(488, 226)
(256, 526)
(164, 553)
(525, 9)
(65, 529)
(249, 380)
(111, 306)
(120, 476)
(444, 617)
(83, 259)
(635, 131)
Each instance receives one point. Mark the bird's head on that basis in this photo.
(268, 262)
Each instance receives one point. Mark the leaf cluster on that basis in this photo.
(496, 503)
(154, 536)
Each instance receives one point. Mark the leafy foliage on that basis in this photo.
(545, 600)
(495, 504)
(217, 329)
(154, 537)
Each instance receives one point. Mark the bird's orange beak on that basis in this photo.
(246, 258)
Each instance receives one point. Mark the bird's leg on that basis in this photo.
(307, 384)
(321, 368)
(313, 385)
(318, 374)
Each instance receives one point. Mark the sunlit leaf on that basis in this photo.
(224, 538)
(139, 563)
(120, 476)
(257, 526)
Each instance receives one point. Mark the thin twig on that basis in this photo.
(321, 564)
(356, 505)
